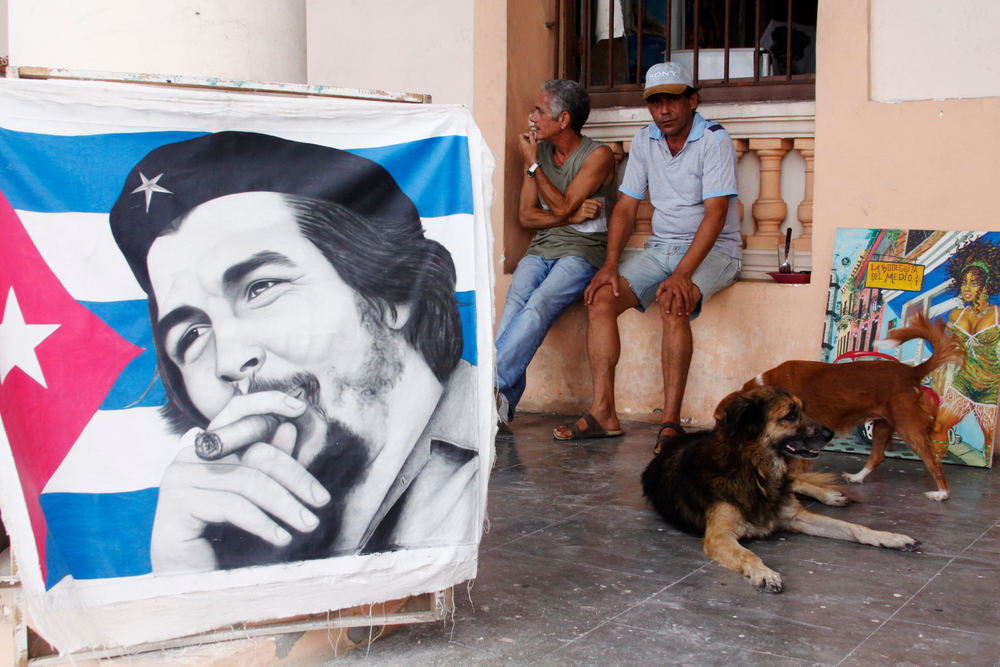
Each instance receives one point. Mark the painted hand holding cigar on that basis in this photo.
(253, 476)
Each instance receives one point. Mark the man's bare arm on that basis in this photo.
(597, 170)
(678, 286)
(575, 205)
(619, 229)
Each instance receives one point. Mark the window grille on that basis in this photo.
(737, 50)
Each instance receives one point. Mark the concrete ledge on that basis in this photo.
(745, 329)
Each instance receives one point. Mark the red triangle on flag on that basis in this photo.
(47, 400)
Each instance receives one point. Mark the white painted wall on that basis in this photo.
(257, 40)
(413, 46)
(928, 49)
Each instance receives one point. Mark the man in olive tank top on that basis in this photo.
(567, 195)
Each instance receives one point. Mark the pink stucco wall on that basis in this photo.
(919, 165)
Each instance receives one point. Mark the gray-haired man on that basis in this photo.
(566, 195)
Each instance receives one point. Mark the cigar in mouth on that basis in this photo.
(225, 440)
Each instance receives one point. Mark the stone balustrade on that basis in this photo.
(768, 132)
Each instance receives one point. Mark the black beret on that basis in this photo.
(198, 170)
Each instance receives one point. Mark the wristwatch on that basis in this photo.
(532, 169)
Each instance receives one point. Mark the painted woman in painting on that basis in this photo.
(974, 270)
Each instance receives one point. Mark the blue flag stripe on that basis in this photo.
(98, 535)
(467, 311)
(433, 172)
(137, 385)
(84, 173)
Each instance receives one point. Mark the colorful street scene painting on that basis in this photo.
(879, 279)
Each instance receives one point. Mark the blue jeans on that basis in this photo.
(541, 291)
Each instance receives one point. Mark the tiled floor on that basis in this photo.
(577, 570)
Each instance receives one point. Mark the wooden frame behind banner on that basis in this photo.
(331, 631)
(211, 83)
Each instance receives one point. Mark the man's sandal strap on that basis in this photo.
(661, 438)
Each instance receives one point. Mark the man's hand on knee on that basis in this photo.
(606, 276)
(678, 295)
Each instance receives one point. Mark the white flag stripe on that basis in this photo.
(360, 124)
(457, 234)
(267, 592)
(109, 457)
(82, 253)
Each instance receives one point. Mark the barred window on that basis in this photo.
(737, 50)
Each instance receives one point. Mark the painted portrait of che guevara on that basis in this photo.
(309, 342)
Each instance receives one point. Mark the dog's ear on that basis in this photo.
(744, 417)
(720, 409)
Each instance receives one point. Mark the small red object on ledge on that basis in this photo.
(790, 278)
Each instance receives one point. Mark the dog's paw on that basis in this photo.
(835, 499)
(897, 541)
(937, 495)
(857, 477)
(766, 581)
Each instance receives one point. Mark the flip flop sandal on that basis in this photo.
(594, 430)
(660, 438)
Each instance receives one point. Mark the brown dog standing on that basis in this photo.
(844, 395)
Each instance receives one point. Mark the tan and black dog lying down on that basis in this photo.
(733, 482)
(841, 396)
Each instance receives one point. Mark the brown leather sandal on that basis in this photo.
(593, 430)
(660, 438)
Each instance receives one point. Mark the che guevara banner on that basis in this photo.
(245, 359)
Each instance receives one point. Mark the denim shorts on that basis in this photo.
(645, 271)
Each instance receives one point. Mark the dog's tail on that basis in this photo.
(948, 348)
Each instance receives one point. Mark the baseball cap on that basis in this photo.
(672, 78)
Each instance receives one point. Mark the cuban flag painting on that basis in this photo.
(303, 284)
